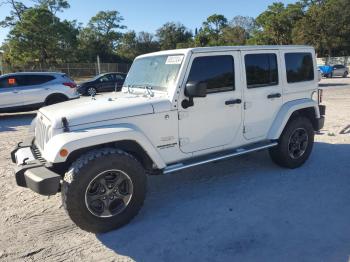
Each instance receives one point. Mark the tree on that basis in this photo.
(132, 45)
(171, 34)
(234, 35)
(275, 25)
(325, 26)
(211, 30)
(36, 38)
(16, 13)
(101, 36)
(246, 22)
(53, 6)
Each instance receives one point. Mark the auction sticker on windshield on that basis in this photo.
(174, 60)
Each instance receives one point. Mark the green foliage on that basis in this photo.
(171, 34)
(101, 36)
(40, 36)
(275, 25)
(210, 32)
(132, 45)
(326, 26)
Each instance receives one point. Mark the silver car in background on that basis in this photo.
(32, 90)
(340, 70)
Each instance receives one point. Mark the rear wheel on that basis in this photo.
(55, 99)
(295, 144)
(104, 190)
(345, 74)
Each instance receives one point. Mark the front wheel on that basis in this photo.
(295, 144)
(91, 91)
(104, 189)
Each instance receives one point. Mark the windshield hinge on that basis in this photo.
(182, 115)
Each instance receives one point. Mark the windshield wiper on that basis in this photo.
(148, 90)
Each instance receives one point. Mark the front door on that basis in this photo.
(213, 120)
(262, 92)
(8, 93)
(107, 83)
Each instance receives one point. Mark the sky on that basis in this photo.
(141, 15)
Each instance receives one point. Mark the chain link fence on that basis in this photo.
(74, 70)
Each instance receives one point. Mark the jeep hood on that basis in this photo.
(104, 107)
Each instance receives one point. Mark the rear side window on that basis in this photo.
(119, 77)
(216, 71)
(299, 67)
(261, 70)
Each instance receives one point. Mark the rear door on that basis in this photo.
(8, 93)
(262, 92)
(33, 89)
(119, 80)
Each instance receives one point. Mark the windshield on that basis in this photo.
(155, 72)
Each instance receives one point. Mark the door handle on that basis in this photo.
(232, 102)
(277, 95)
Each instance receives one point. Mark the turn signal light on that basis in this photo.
(64, 152)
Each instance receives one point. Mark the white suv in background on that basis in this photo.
(29, 91)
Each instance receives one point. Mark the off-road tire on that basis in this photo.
(281, 155)
(84, 170)
(55, 99)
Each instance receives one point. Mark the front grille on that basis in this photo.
(37, 154)
(41, 133)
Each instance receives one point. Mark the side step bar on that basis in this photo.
(236, 152)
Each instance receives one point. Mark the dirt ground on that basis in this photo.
(244, 209)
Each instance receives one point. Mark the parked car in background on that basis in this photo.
(30, 91)
(340, 70)
(336, 70)
(102, 83)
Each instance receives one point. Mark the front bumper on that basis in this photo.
(320, 121)
(33, 172)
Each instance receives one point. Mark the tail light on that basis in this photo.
(70, 84)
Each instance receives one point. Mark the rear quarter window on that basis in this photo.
(299, 67)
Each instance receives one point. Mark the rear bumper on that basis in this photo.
(30, 172)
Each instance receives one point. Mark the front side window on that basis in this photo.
(299, 67)
(156, 72)
(216, 71)
(106, 78)
(261, 70)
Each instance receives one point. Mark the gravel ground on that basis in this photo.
(244, 209)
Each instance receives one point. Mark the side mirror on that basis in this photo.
(194, 89)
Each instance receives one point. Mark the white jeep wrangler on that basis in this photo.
(177, 109)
